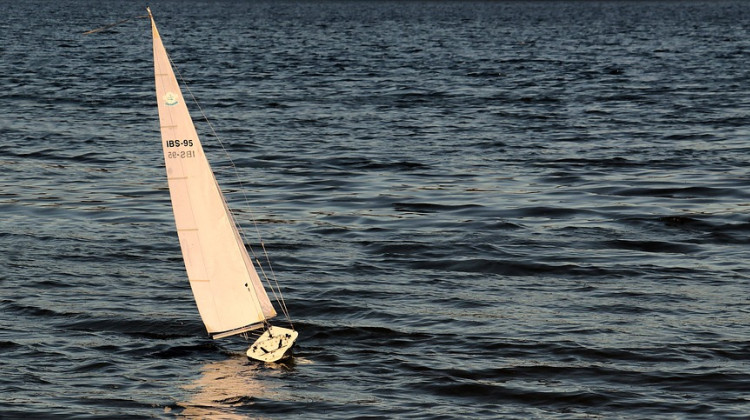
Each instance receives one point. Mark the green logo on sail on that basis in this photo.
(170, 99)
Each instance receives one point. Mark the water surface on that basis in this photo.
(475, 209)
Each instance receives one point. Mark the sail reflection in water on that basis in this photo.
(222, 386)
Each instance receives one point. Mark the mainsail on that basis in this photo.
(229, 294)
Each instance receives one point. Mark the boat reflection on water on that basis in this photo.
(227, 389)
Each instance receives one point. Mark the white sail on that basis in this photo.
(226, 286)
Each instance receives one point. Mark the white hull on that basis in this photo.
(273, 345)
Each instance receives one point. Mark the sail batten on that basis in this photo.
(227, 289)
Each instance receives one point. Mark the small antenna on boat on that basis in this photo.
(112, 25)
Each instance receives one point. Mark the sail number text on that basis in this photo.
(179, 143)
(181, 154)
(174, 152)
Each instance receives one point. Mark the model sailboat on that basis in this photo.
(228, 291)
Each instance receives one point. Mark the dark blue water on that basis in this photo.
(475, 209)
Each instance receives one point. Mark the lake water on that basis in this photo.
(474, 209)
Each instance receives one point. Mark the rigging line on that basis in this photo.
(277, 288)
(282, 302)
